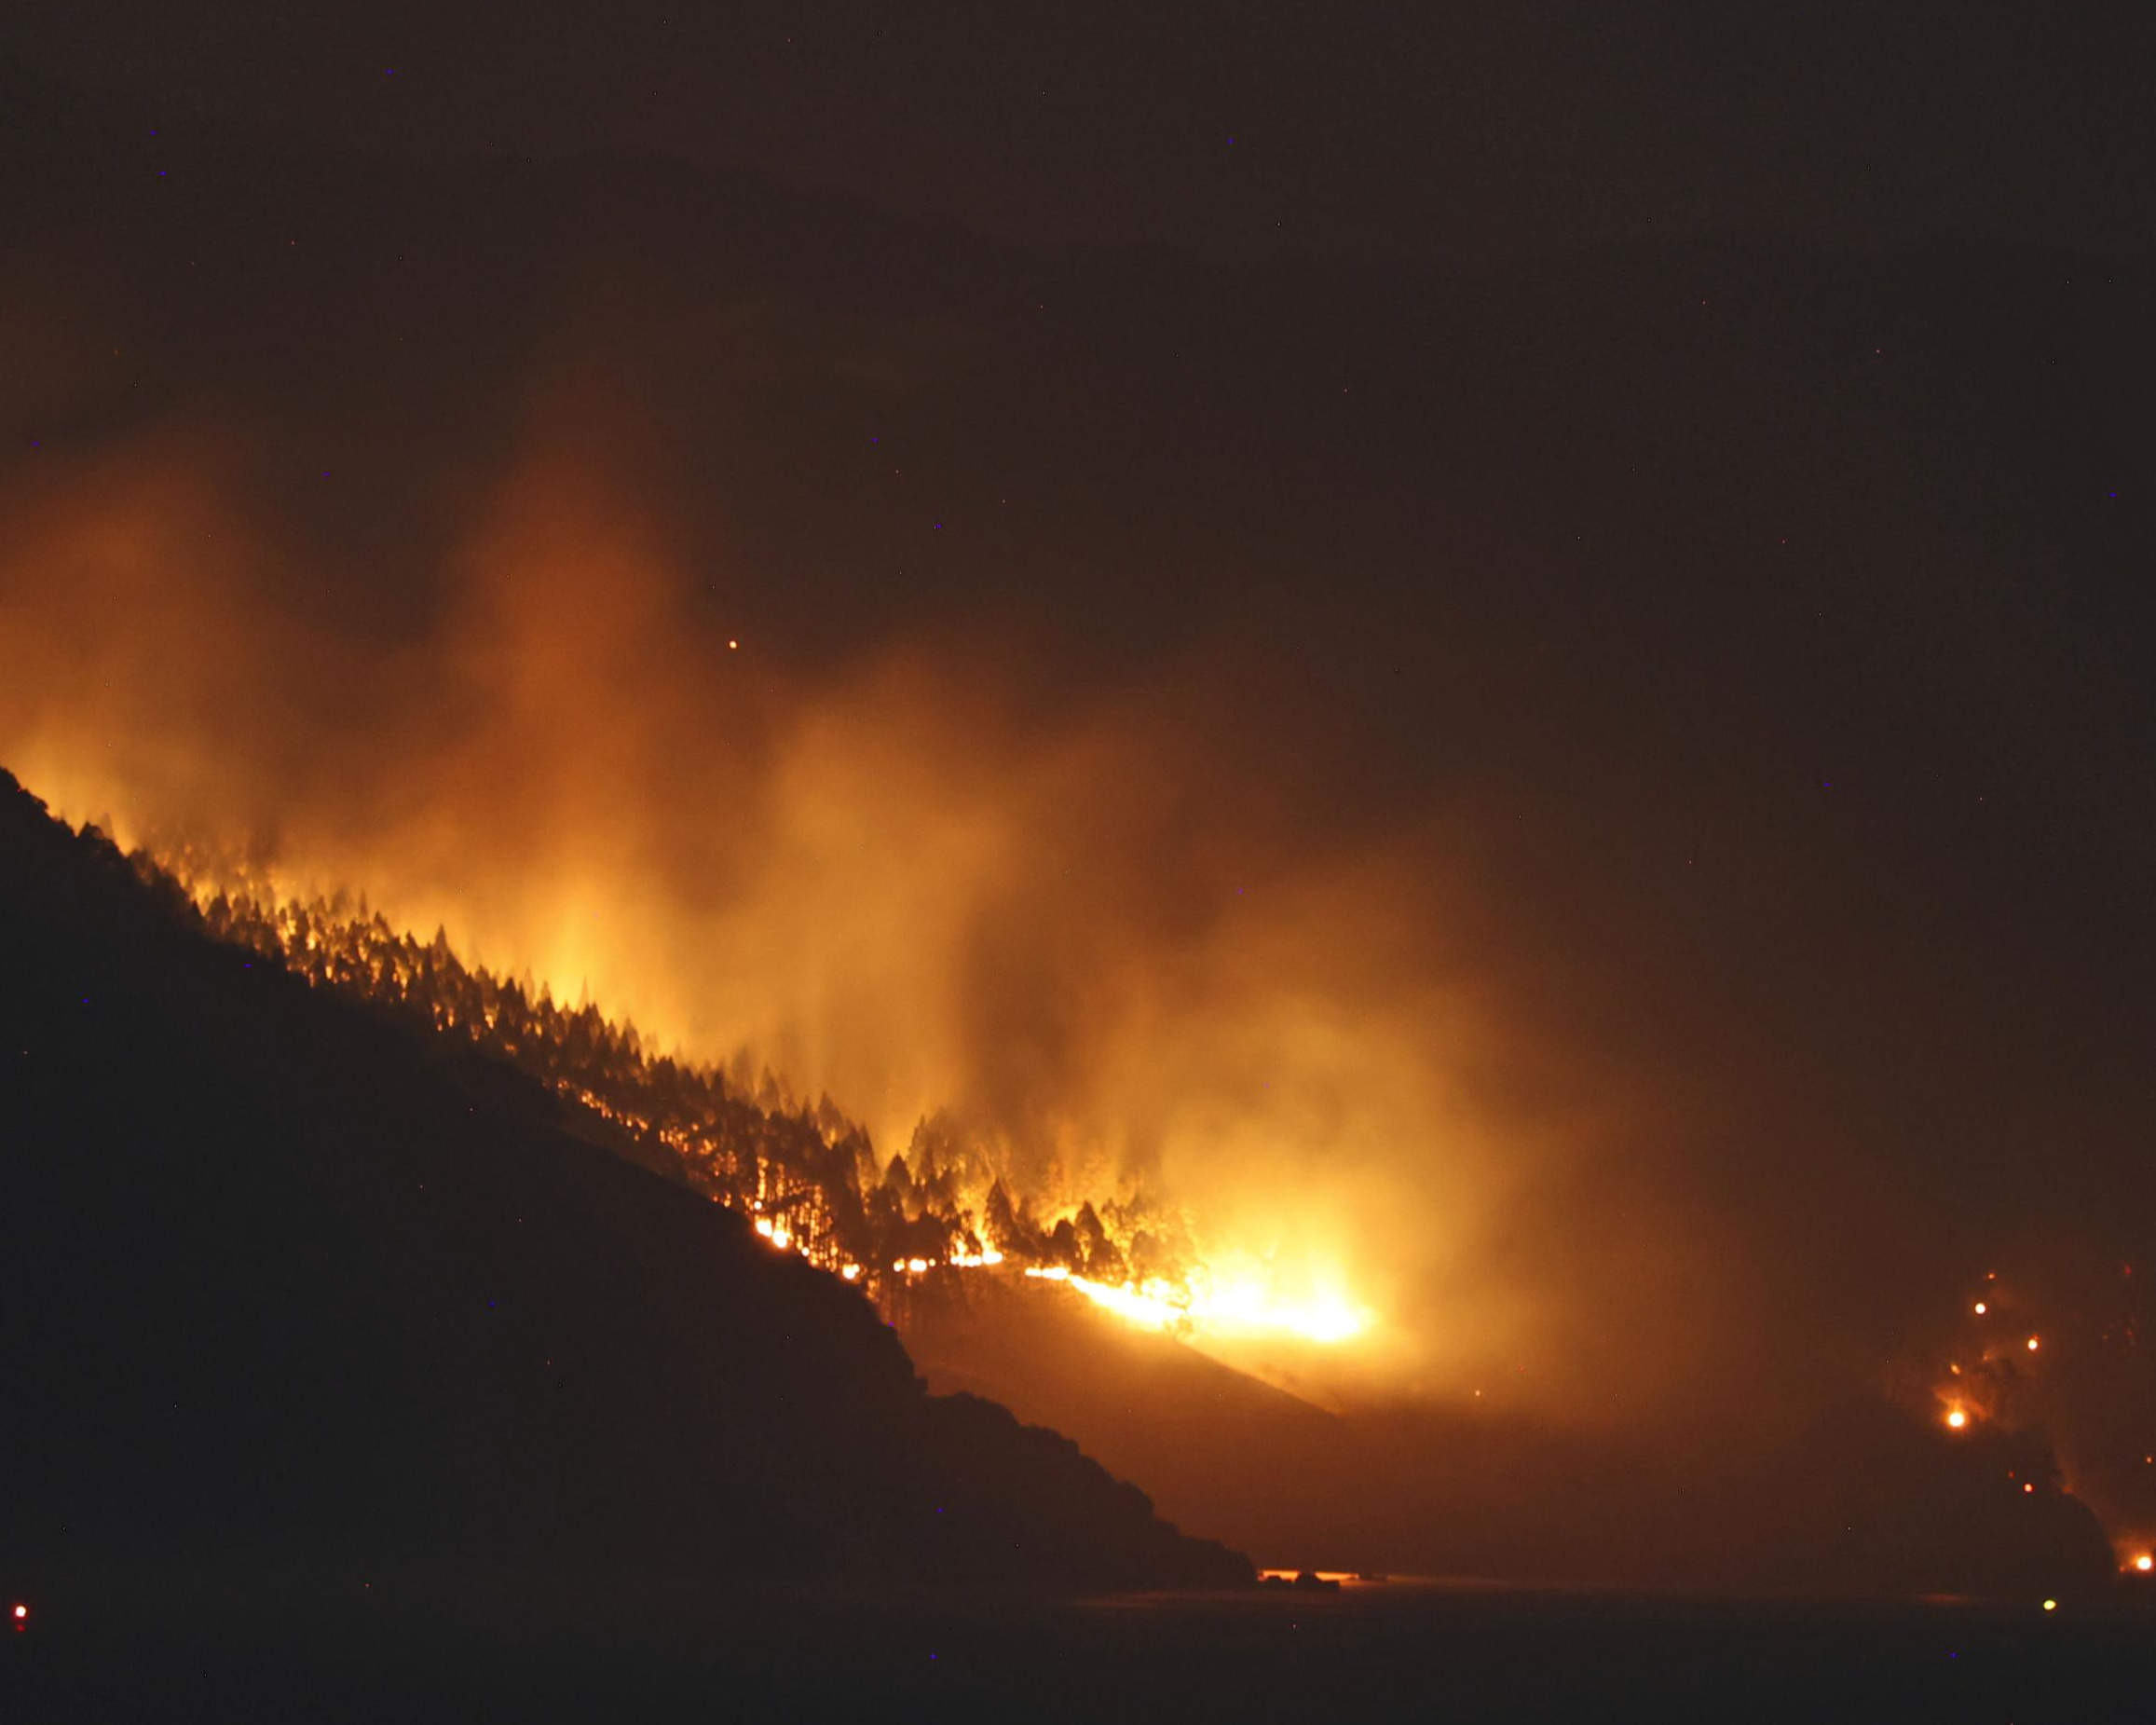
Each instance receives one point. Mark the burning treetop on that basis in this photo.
(813, 1179)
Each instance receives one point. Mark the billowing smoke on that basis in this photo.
(1109, 933)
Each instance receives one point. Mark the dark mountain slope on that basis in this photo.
(282, 1286)
(1868, 1499)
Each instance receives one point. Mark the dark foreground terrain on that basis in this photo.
(1864, 1499)
(285, 1290)
(1397, 1650)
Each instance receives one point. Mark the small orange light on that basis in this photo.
(21, 1611)
(1981, 1308)
(733, 646)
(2145, 1563)
(2050, 1605)
(2027, 1486)
(2032, 1343)
(1956, 1418)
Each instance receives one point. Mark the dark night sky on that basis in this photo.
(1379, 129)
(1710, 446)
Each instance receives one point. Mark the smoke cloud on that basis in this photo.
(1109, 931)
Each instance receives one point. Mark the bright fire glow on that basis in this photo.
(1243, 1307)
(2145, 1563)
(1149, 1266)
(1957, 1418)
(1981, 1308)
(2032, 1343)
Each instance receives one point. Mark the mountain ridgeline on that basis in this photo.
(291, 1285)
(733, 1135)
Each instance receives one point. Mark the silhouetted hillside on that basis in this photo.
(1866, 1499)
(285, 1287)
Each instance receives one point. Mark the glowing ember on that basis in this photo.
(2052, 1405)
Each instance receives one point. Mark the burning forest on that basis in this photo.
(1362, 876)
(812, 1181)
(809, 805)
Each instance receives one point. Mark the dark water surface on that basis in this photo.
(1398, 1649)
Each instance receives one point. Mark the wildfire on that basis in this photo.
(810, 1180)
(1242, 1307)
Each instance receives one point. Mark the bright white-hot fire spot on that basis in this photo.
(1957, 1418)
(2145, 1563)
(1243, 1307)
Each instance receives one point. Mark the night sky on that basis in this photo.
(1357, 130)
(1684, 474)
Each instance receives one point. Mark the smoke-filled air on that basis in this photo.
(1074, 948)
(1015, 795)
